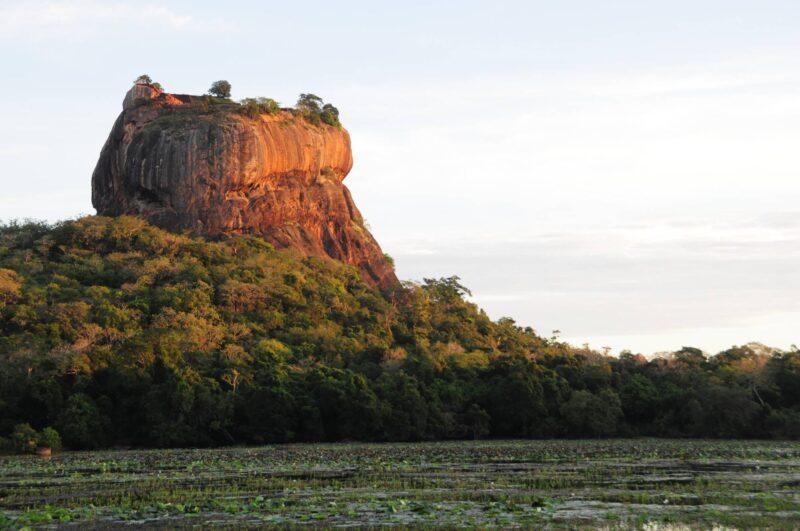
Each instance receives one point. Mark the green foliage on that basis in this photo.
(220, 89)
(81, 424)
(477, 421)
(24, 439)
(617, 484)
(118, 333)
(252, 107)
(446, 290)
(49, 438)
(592, 415)
(312, 108)
(309, 104)
(330, 115)
(640, 398)
(10, 286)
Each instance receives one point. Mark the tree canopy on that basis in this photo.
(313, 109)
(113, 332)
(220, 89)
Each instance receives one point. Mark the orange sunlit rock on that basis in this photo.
(216, 172)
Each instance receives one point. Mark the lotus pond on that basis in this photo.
(636, 483)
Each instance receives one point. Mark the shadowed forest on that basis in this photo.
(116, 333)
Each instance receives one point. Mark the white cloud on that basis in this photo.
(572, 150)
(646, 286)
(632, 209)
(622, 207)
(39, 20)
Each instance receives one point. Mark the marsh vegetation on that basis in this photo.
(556, 483)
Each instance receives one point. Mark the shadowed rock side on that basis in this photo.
(213, 171)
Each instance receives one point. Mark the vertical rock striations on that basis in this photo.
(183, 164)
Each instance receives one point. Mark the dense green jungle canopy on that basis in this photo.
(114, 332)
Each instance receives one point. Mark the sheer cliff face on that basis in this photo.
(219, 173)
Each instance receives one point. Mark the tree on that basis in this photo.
(129, 335)
(81, 423)
(10, 286)
(24, 439)
(588, 414)
(446, 289)
(312, 108)
(144, 79)
(477, 421)
(49, 438)
(252, 107)
(690, 357)
(639, 399)
(309, 104)
(729, 412)
(347, 406)
(330, 115)
(514, 399)
(220, 89)
(268, 105)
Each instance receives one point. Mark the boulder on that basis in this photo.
(185, 165)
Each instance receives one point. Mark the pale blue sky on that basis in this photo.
(624, 171)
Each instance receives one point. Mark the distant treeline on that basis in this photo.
(114, 332)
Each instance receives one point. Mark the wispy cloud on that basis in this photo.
(646, 285)
(776, 235)
(40, 20)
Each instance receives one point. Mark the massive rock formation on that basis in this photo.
(183, 164)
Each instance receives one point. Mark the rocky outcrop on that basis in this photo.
(185, 165)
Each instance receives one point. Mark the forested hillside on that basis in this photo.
(114, 332)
